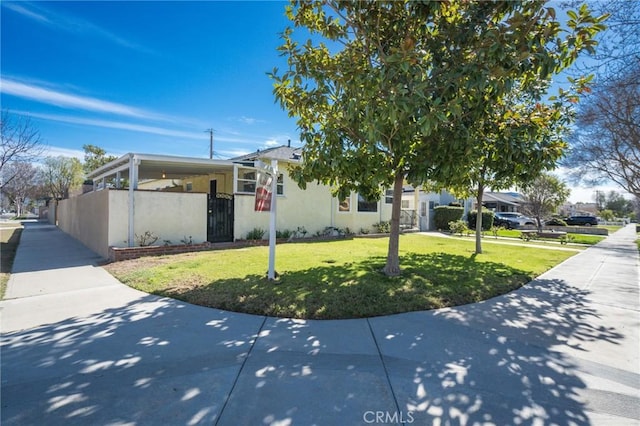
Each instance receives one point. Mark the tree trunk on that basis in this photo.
(479, 196)
(392, 268)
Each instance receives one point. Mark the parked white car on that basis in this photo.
(512, 219)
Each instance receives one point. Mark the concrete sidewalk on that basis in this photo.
(78, 347)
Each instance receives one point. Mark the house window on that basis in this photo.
(189, 186)
(423, 208)
(405, 204)
(365, 205)
(280, 184)
(345, 205)
(246, 181)
(433, 205)
(388, 196)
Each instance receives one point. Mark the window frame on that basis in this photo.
(362, 202)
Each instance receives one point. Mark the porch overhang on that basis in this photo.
(151, 166)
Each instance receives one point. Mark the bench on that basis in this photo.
(529, 234)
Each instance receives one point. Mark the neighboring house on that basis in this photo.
(423, 203)
(180, 198)
(502, 201)
(580, 208)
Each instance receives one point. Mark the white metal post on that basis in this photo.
(272, 221)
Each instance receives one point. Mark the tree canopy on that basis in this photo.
(606, 143)
(95, 157)
(61, 174)
(543, 195)
(21, 142)
(379, 88)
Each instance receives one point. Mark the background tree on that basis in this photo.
(22, 186)
(619, 205)
(618, 49)
(522, 137)
(600, 198)
(543, 196)
(606, 144)
(95, 157)
(60, 175)
(21, 142)
(379, 87)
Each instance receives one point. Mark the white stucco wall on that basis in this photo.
(85, 218)
(314, 208)
(171, 216)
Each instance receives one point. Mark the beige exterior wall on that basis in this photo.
(198, 183)
(357, 221)
(171, 216)
(85, 218)
(201, 183)
(313, 208)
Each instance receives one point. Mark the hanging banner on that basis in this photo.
(263, 191)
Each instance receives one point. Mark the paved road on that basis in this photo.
(78, 347)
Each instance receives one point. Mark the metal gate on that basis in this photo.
(220, 218)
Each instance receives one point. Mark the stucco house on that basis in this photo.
(422, 204)
(503, 201)
(195, 199)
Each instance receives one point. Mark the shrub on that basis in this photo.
(555, 222)
(528, 236)
(300, 232)
(566, 239)
(256, 234)
(458, 227)
(487, 219)
(383, 227)
(495, 230)
(283, 234)
(146, 239)
(444, 214)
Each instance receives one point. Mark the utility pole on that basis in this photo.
(210, 143)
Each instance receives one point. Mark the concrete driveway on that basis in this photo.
(78, 347)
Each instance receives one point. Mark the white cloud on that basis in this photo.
(56, 151)
(61, 99)
(68, 23)
(26, 12)
(118, 125)
(586, 194)
(230, 153)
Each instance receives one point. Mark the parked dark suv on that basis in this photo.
(582, 220)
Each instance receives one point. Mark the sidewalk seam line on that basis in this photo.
(384, 367)
(235, 382)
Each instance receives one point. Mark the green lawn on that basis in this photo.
(576, 238)
(340, 279)
(9, 238)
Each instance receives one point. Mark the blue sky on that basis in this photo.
(146, 76)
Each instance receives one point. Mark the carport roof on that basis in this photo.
(152, 166)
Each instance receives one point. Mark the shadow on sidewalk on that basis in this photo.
(495, 362)
(153, 361)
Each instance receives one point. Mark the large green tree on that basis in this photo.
(95, 157)
(60, 175)
(378, 87)
(22, 185)
(543, 196)
(520, 137)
